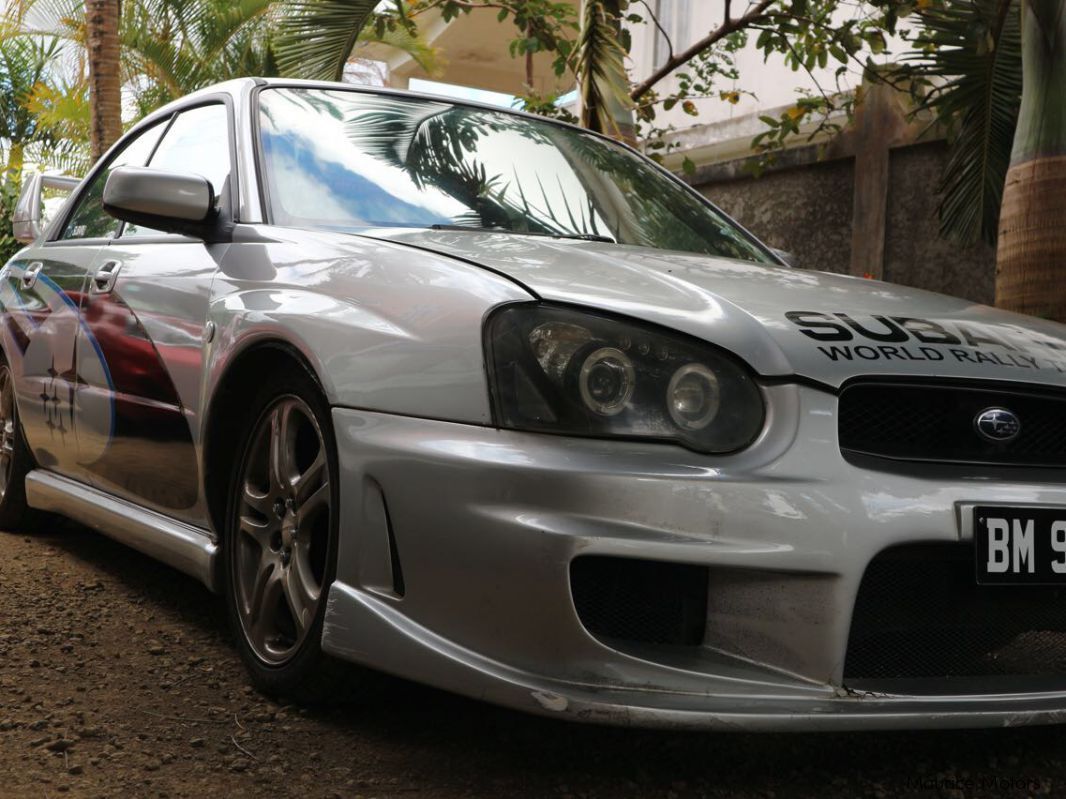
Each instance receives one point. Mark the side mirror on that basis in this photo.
(30, 214)
(784, 255)
(174, 202)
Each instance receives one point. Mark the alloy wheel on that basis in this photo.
(282, 530)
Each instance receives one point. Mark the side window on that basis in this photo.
(197, 142)
(90, 220)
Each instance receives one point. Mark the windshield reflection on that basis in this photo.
(346, 159)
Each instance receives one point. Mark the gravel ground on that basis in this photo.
(116, 679)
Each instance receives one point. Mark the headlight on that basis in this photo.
(561, 370)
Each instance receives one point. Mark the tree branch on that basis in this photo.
(810, 74)
(655, 19)
(728, 26)
(469, 5)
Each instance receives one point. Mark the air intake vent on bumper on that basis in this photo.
(921, 614)
(640, 601)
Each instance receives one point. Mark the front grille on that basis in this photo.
(920, 613)
(919, 422)
(640, 601)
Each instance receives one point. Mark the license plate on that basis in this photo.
(1020, 545)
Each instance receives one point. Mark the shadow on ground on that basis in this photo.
(409, 739)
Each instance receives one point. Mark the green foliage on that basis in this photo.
(403, 38)
(316, 37)
(807, 35)
(542, 26)
(9, 189)
(967, 70)
(41, 111)
(24, 65)
(697, 80)
(169, 48)
(547, 106)
(173, 47)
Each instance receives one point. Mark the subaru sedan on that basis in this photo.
(495, 404)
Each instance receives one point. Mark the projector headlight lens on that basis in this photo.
(693, 396)
(566, 370)
(607, 381)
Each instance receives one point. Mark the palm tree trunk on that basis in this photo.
(105, 89)
(1030, 273)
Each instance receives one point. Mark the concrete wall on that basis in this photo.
(915, 254)
(806, 208)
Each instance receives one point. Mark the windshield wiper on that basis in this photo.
(475, 229)
(584, 237)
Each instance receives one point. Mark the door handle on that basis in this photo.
(29, 277)
(105, 277)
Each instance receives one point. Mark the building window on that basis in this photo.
(675, 20)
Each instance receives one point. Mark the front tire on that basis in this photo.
(280, 543)
(15, 458)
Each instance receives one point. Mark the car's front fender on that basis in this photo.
(385, 327)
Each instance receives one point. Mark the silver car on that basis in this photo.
(498, 405)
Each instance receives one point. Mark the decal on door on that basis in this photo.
(30, 325)
(150, 451)
(116, 394)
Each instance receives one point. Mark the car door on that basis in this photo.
(145, 307)
(41, 293)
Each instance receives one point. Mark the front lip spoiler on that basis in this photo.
(403, 648)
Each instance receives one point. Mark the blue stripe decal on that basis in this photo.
(92, 340)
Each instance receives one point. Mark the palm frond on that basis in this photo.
(387, 130)
(406, 41)
(62, 109)
(24, 65)
(67, 156)
(970, 61)
(316, 37)
(230, 22)
(172, 47)
(64, 19)
(601, 72)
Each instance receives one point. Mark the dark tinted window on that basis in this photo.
(347, 159)
(90, 220)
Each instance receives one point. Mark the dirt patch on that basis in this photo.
(117, 679)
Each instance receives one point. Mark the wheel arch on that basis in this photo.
(221, 435)
(15, 398)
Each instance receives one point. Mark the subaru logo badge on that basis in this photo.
(997, 425)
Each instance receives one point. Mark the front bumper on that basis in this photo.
(454, 561)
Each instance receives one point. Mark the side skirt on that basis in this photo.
(186, 548)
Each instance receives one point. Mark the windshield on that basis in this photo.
(347, 159)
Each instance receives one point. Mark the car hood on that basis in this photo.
(782, 321)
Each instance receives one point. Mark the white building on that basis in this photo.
(722, 130)
(475, 50)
